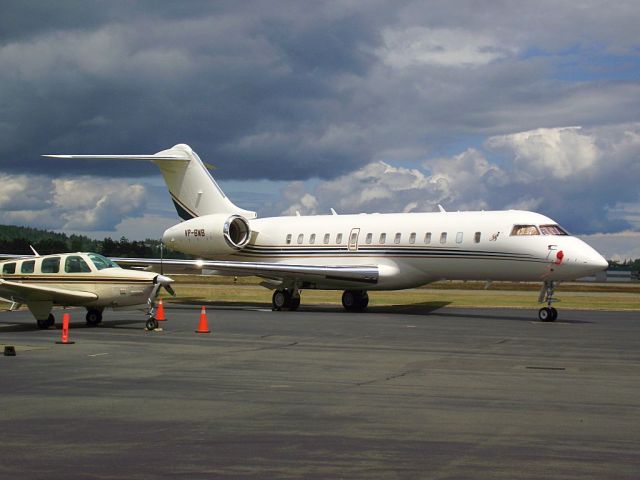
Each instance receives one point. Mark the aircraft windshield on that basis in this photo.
(102, 262)
(520, 230)
(552, 230)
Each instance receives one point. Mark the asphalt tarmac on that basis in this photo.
(406, 392)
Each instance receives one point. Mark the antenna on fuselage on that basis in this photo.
(441, 208)
(34, 251)
(333, 212)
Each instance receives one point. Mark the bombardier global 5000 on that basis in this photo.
(362, 252)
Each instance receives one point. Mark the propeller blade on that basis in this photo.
(170, 290)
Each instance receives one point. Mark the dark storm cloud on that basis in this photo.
(294, 90)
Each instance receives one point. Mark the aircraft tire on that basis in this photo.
(151, 324)
(355, 300)
(294, 303)
(545, 314)
(554, 314)
(93, 317)
(281, 299)
(51, 320)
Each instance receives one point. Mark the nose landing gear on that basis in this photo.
(548, 313)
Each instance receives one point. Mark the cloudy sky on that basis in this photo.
(361, 106)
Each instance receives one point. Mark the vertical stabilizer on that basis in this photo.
(193, 190)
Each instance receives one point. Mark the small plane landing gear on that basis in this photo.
(93, 317)
(151, 324)
(285, 299)
(355, 300)
(548, 313)
(50, 321)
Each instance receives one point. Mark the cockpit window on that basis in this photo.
(76, 264)
(519, 230)
(102, 262)
(552, 230)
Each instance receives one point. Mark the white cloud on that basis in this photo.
(79, 203)
(559, 152)
(583, 178)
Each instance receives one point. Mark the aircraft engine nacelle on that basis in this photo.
(217, 234)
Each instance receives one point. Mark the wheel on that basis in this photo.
(554, 314)
(295, 302)
(51, 320)
(348, 300)
(93, 317)
(43, 324)
(364, 301)
(545, 314)
(152, 324)
(281, 299)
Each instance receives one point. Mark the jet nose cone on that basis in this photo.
(599, 262)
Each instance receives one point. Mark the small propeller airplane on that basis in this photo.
(77, 279)
(360, 252)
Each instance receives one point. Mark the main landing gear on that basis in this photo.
(548, 313)
(50, 321)
(285, 299)
(355, 300)
(93, 317)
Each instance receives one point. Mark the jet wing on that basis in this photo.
(26, 293)
(272, 271)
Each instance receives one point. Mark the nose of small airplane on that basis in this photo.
(163, 280)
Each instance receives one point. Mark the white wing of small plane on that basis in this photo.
(274, 271)
(29, 293)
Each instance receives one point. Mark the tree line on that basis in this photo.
(17, 240)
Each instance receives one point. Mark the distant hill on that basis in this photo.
(14, 239)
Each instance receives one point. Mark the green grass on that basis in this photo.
(242, 293)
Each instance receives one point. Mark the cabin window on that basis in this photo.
(101, 262)
(9, 268)
(521, 230)
(383, 238)
(76, 264)
(397, 238)
(300, 238)
(476, 237)
(28, 266)
(339, 238)
(327, 237)
(552, 230)
(412, 238)
(312, 238)
(288, 239)
(443, 237)
(50, 265)
(427, 238)
(369, 238)
(354, 238)
(459, 236)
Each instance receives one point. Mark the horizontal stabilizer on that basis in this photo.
(119, 157)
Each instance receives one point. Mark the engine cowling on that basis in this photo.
(209, 235)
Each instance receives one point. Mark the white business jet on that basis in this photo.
(77, 279)
(358, 253)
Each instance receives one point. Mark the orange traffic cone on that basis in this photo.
(160, 312)
(64, 340)
(202, 326)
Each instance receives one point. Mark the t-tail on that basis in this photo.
(193, 190)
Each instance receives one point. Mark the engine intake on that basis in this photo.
(236, 231)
